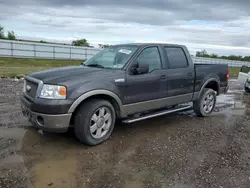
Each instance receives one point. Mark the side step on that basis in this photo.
(156, 114)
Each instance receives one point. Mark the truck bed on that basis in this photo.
(205, 71)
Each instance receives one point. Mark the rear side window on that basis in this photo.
(176, 57)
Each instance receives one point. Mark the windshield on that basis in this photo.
(113, 57)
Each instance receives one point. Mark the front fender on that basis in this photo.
(93, 93)
(110, 89)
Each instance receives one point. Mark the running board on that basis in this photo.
(156, 114)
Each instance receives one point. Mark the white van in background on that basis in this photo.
(244, 78)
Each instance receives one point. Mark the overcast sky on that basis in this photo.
(219, 26)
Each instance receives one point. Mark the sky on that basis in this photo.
(218, 26)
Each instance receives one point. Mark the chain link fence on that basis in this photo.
(230, 63)
(52, 51)
(46, 51)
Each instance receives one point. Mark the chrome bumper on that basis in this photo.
(47, 122)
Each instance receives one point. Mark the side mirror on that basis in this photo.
(138, 68)
(143, 68)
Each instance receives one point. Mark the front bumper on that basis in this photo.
(247, 86)
(48, 122)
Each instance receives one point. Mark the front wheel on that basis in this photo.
(94, 121)
(204, 106)
(247, 90)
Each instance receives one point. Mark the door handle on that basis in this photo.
(163, 77)
(190, 74)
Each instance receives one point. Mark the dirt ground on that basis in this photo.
(177, 151)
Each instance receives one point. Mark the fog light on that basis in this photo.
(40, 120)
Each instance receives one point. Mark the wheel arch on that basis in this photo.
(211, 83)
(98, 94)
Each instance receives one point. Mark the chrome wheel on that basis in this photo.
(208, 103)
(100, 123)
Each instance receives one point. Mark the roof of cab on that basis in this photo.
(150, 44)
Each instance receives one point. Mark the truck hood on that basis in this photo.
(64, 75)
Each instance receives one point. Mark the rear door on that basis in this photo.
(180, 74)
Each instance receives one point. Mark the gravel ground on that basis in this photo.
(177, 151)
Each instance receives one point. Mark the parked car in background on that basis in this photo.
(247, 85)
(244, 78)
(130, 82)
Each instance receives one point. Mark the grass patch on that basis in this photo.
(12, 67)
(234, 71)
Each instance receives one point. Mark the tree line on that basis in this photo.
(204, 53)
(80, 42)
(84, 42)
(10, 35)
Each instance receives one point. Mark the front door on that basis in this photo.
(150, 86)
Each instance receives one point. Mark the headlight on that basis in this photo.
(248, 79)
(53, 92)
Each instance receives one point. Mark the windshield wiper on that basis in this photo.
(95, 65)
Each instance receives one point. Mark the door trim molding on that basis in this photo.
(156, 104)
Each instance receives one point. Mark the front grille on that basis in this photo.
(33, 88)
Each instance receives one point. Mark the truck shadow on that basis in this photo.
(120, 129)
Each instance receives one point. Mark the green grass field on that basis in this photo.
(14, 67)
(234, 71)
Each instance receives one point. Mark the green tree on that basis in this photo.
(103, 45)
(42, 41)
(106, 45)
(214, 56)
(2, 32)
(246, 58)
(198, 54)
(202, 53)
(11, 35)
(81, 42)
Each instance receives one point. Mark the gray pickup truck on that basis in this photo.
(126, 82)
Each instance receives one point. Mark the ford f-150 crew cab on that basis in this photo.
(129, 82)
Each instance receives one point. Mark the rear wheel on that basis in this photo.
(94, 121)
(204, 106)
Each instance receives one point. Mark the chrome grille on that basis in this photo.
(31, 88)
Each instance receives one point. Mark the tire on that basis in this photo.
(247, 90)
(198, 106)
(85, 117)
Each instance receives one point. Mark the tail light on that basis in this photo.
(227, 76)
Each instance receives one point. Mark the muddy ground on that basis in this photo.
(177, 151)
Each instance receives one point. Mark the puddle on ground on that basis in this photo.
(225, 101)
(13, 172)
(54, 173)
(236, 101)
